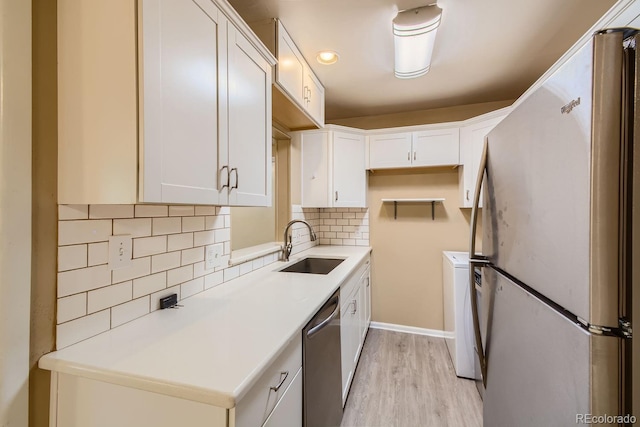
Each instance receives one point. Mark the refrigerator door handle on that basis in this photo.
(476, 260)
(476, 202)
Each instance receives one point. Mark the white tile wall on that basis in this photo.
(333, 226)
(344, 226)
(168, 251)
(71, 257)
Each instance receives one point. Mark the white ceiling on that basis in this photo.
(485, 51)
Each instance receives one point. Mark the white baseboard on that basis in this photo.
(410, 330)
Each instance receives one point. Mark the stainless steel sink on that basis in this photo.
(313, 266)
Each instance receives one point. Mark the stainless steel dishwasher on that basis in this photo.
(322, 367)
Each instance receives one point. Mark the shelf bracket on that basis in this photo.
(395, 210)
(433, 211)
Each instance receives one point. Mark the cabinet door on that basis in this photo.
(350, 339)
(288, 411)
(465, 173)
(290, 69)
(366, 305)
(249, 111)
(390, 150)
(346, 348)
(436, 147)
(358, 300)
(182, 48)
(349, 174)
(314, 96)
(471, 145)
(316, 183)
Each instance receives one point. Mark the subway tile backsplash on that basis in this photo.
(168, 257)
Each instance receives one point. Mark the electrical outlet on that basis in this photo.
(213, 256)
(120, 251)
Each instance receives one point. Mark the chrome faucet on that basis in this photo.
(288, 245)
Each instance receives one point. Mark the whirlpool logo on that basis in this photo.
(570, 106)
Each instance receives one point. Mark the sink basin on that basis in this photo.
(313, 266)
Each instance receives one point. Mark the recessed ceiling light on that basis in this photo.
(327, 57)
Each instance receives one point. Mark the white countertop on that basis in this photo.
(214, 348)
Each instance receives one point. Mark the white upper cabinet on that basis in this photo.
(332, 172)
(157, 98)
(249, 149)
(436, 147)
(180, 119)
(472, 136)
(349, 172)
(313, 96)
(290, 71)
(298, 102)
(418, 148)
(390, 150)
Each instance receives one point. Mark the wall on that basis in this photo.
(15, 209)
(255, 225)
(407, 251)
(45, 208)
(422, 117)
(168, 257)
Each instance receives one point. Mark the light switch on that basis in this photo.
(120, 251)
(213, 256)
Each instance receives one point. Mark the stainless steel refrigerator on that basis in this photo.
(561, 246)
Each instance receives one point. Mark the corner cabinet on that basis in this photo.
(429, 146)
(333, 171)
(472, 136)
(174, 104)
(355, 318)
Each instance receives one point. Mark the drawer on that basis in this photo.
(348, 286)
(254, 408)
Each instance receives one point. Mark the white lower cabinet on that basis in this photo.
(83, 402)
(274, 400)
(288, 411)
(255, 407)
(355, 317)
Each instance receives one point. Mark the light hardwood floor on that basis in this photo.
(406, 380)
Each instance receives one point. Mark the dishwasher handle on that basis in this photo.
(326, 321)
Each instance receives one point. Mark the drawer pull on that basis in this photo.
(283, 378)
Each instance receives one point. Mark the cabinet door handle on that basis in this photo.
(336, 196)
(306, 90)
(368, 281)
(414, 155)
(236, 171)
(283, 378)
(355, 306)
(408, 155)
(467, 194)
(228, 175)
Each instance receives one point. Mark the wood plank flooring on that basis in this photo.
(406, 380)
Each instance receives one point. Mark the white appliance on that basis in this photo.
(458, 321)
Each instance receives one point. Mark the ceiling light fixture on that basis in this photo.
(327, 57)
(414, 34)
